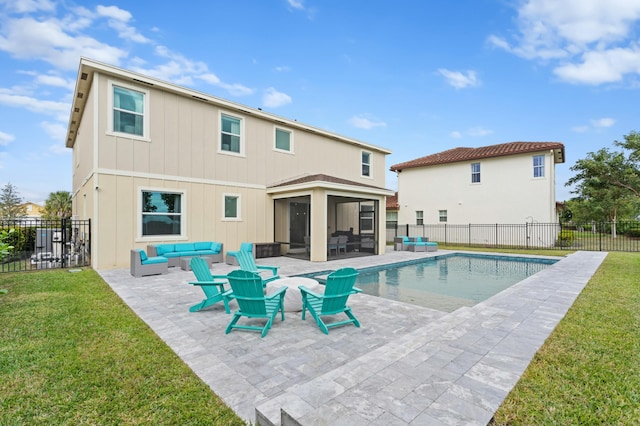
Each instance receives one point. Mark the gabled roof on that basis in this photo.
(392, 202)
(465, 154)
(326, 181)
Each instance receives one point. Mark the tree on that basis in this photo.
(608, 182)
(11, 204)
(58, 205)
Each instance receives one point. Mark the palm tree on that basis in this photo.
(58, 205)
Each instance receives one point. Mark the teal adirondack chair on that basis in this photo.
(248, 263)
(211, 285)
(248, 289)
(337, 290)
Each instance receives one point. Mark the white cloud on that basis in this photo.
(28, 6)
(47, 40)
(603, 122)
(33, 104)
(283, 68)
(479, 131)
(458, 79)
(296, 4)
(118, 19)
(580, 129)
(56, 131)
(362, 122)
(273, 99)
(6, 139)
(455, 134)
(586, 41)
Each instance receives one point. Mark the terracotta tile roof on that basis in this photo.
(322, 178)
(465, 154)
(392, 202)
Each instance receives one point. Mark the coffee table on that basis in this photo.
(293, 296)
(185, 262)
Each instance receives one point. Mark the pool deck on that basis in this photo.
(406, 365)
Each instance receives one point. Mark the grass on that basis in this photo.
(588, 370)
(73, 353)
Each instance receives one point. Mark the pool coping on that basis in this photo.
(405, 365)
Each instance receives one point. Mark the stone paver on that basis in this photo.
(406, 365)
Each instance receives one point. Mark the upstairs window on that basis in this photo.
(442, 215)
(230, 135)
(129, 107)
(475, 172)
(161, 213)
(284, 141)
(538, 166)
(366, 164)
(419, 217)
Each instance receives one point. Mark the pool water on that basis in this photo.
(449, 282)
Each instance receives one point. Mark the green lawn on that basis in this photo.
(588, 370)
(71, 352)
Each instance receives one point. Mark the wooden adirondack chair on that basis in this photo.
(337, 290)
(248, 263)
(211, 285)
(248, 289)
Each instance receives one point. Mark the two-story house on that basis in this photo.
(156, 162)
(509, 183)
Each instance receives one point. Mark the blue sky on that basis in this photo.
(413, 76)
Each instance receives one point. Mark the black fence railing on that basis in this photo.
(592, 236)
(45, 244)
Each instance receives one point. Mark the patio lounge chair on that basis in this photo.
(211, 285)
(248, 263)
(248, 290)
(143, 265)
(337, 290)
(231, 255)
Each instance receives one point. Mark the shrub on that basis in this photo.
(565, 239)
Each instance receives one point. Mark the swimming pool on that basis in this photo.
(448, 282)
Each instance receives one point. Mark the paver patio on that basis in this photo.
(406, 365)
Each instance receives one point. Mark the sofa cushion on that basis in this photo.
(164, 248)
(154, 260)
(203, 246)
(216, 247)
(143, 255)
(185, 247)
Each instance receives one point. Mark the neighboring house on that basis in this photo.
(32, 210)
(156, 162)
(510, 183)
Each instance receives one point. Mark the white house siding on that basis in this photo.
(507, 193)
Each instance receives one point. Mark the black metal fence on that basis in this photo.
(45, 244)
(593, 236)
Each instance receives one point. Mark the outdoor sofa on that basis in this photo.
(174, 252)
(414, 244)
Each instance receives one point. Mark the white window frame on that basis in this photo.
(419, 217)
(367, 215)
(275, 133)
(370, 164)
(238, 217)
(242, 133)
(183, 214)
(146, 116)
(443, 216)
(474, 173)
(538, 166)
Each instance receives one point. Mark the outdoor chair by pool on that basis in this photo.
(337, 290)
(332, 245)
(211, 285)
(248, 289)
(248, 263)
(343, 240)
(231, 255)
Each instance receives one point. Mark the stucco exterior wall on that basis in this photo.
(507, 193)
